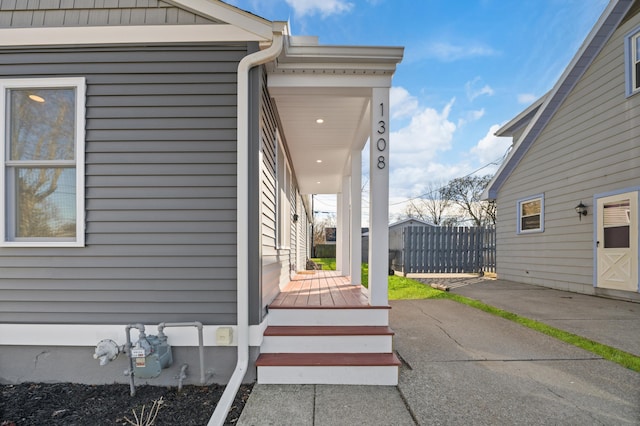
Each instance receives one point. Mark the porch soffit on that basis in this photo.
(332, 83)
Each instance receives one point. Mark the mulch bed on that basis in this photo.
(74, 404)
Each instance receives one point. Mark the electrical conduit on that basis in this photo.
(245, 65)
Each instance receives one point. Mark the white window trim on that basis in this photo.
(283, 236)
(521, 231)
(79, 84)
(630, 61)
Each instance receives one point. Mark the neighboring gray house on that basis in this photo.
(158, 162)
(578, 146)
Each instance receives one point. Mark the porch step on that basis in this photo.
(328, 368)
(327, 339)
(317, 316)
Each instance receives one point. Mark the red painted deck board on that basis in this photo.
(327, 360)
(321, 289)
(328, 331)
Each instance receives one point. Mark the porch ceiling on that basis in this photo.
(333, 83)
(321, 151)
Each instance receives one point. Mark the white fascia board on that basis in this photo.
(232, 15)
(124, 35)
(310, 80)
(90, 334)
(335, 68)
(376, 55)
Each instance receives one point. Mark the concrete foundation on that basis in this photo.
(51, 364)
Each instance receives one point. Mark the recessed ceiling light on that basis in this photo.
(319, 121)
(318, 182)
(36, 98)
(318, 161)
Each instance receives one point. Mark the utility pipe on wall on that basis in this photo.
(128, 346)
(198, 325)
(242, 235)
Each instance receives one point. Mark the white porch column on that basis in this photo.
(344, 237)
(339, 231)
(379, 197)
(356, 217)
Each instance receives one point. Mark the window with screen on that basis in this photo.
(43, 122)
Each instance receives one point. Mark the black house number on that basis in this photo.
(381, 144)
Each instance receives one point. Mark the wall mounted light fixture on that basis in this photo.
(581, 209)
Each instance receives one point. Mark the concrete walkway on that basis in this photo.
(462, 366)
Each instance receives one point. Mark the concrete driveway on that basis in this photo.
(463, 366)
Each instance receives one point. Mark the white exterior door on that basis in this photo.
(617, 244)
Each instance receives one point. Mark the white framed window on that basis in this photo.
(42, 161)
(283, 197)
(632, 62)
(531, 214)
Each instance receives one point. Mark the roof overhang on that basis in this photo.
(521, 120)
(228, 24)
(259, 27)
(332, 83)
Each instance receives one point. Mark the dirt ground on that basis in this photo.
(73, 404)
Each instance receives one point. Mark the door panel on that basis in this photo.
(617, 245)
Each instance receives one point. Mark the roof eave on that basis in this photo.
(297, 56)
(521, 119)
(215, 9)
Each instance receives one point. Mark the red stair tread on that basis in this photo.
(327, 359)
(305, 307)
(328, 331)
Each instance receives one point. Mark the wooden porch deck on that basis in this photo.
(321, 289)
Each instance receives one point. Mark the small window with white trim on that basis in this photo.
(632, 59)
(42, 160)
(531, 215)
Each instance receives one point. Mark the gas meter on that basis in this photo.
(150, 355)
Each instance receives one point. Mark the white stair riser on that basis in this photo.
(326, 344)
(336, 317)
(338, 375)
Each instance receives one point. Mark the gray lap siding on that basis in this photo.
(160, 191)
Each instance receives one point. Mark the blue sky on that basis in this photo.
(469, 67)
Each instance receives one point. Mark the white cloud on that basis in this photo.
(449, 52)
(490, 148)
(526, 98)
(415, 147)
(403, 104)
(475, 115)
(323, 7)
(475, 88)
(471, 116)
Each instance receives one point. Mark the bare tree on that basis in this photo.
(431, 207)
(319, 226)
(465, 192)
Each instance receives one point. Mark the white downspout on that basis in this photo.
(242, 253)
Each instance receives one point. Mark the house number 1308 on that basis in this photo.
(381, 144)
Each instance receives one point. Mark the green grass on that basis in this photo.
(327, 264)
(622, 358)
(399, 287)
(405, 288)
